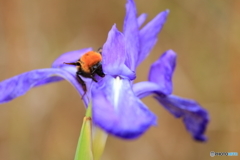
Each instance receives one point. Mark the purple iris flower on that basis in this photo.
(116, 103)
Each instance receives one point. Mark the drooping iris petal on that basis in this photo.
(49, 80)
(162, 70)
(131, 34)
(68, 68)
(148, 35)
(114, 55)
(72, 56)
(118, 111)
(141, 19)
(20, 84)
(194, 116)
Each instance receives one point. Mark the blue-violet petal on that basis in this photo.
(131, 34)
(118, 111)
(162, 70)
(141, 19)
(144, 89)
(114, 55)
(20, 84)
(194, 116)
(149, 34)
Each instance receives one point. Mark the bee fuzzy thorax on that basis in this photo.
(89, 59)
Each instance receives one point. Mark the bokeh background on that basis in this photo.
(45, 123)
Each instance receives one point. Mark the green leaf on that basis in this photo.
(84, 147)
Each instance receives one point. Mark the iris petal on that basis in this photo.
(20, 84)
(118, 111)
(72, 56)
(194, 116)
(144, 89)
(114, 55)
(162, 70)
(149, 33)
(141, 19)
(131, 34)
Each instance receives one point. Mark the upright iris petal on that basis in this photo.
(114, 55)
(148, 35)
(131, 34)
(141, 19)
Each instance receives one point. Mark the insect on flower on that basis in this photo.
(116, 101)
(88, 66)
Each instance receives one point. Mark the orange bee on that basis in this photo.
(88, 66)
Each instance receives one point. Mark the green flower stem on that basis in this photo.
(84, 146)
(90, 144)
(99, 141)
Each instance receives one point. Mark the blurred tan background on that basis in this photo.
(44, 124)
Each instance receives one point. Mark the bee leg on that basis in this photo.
(83, 84)
(74, 63)
(93, 78)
